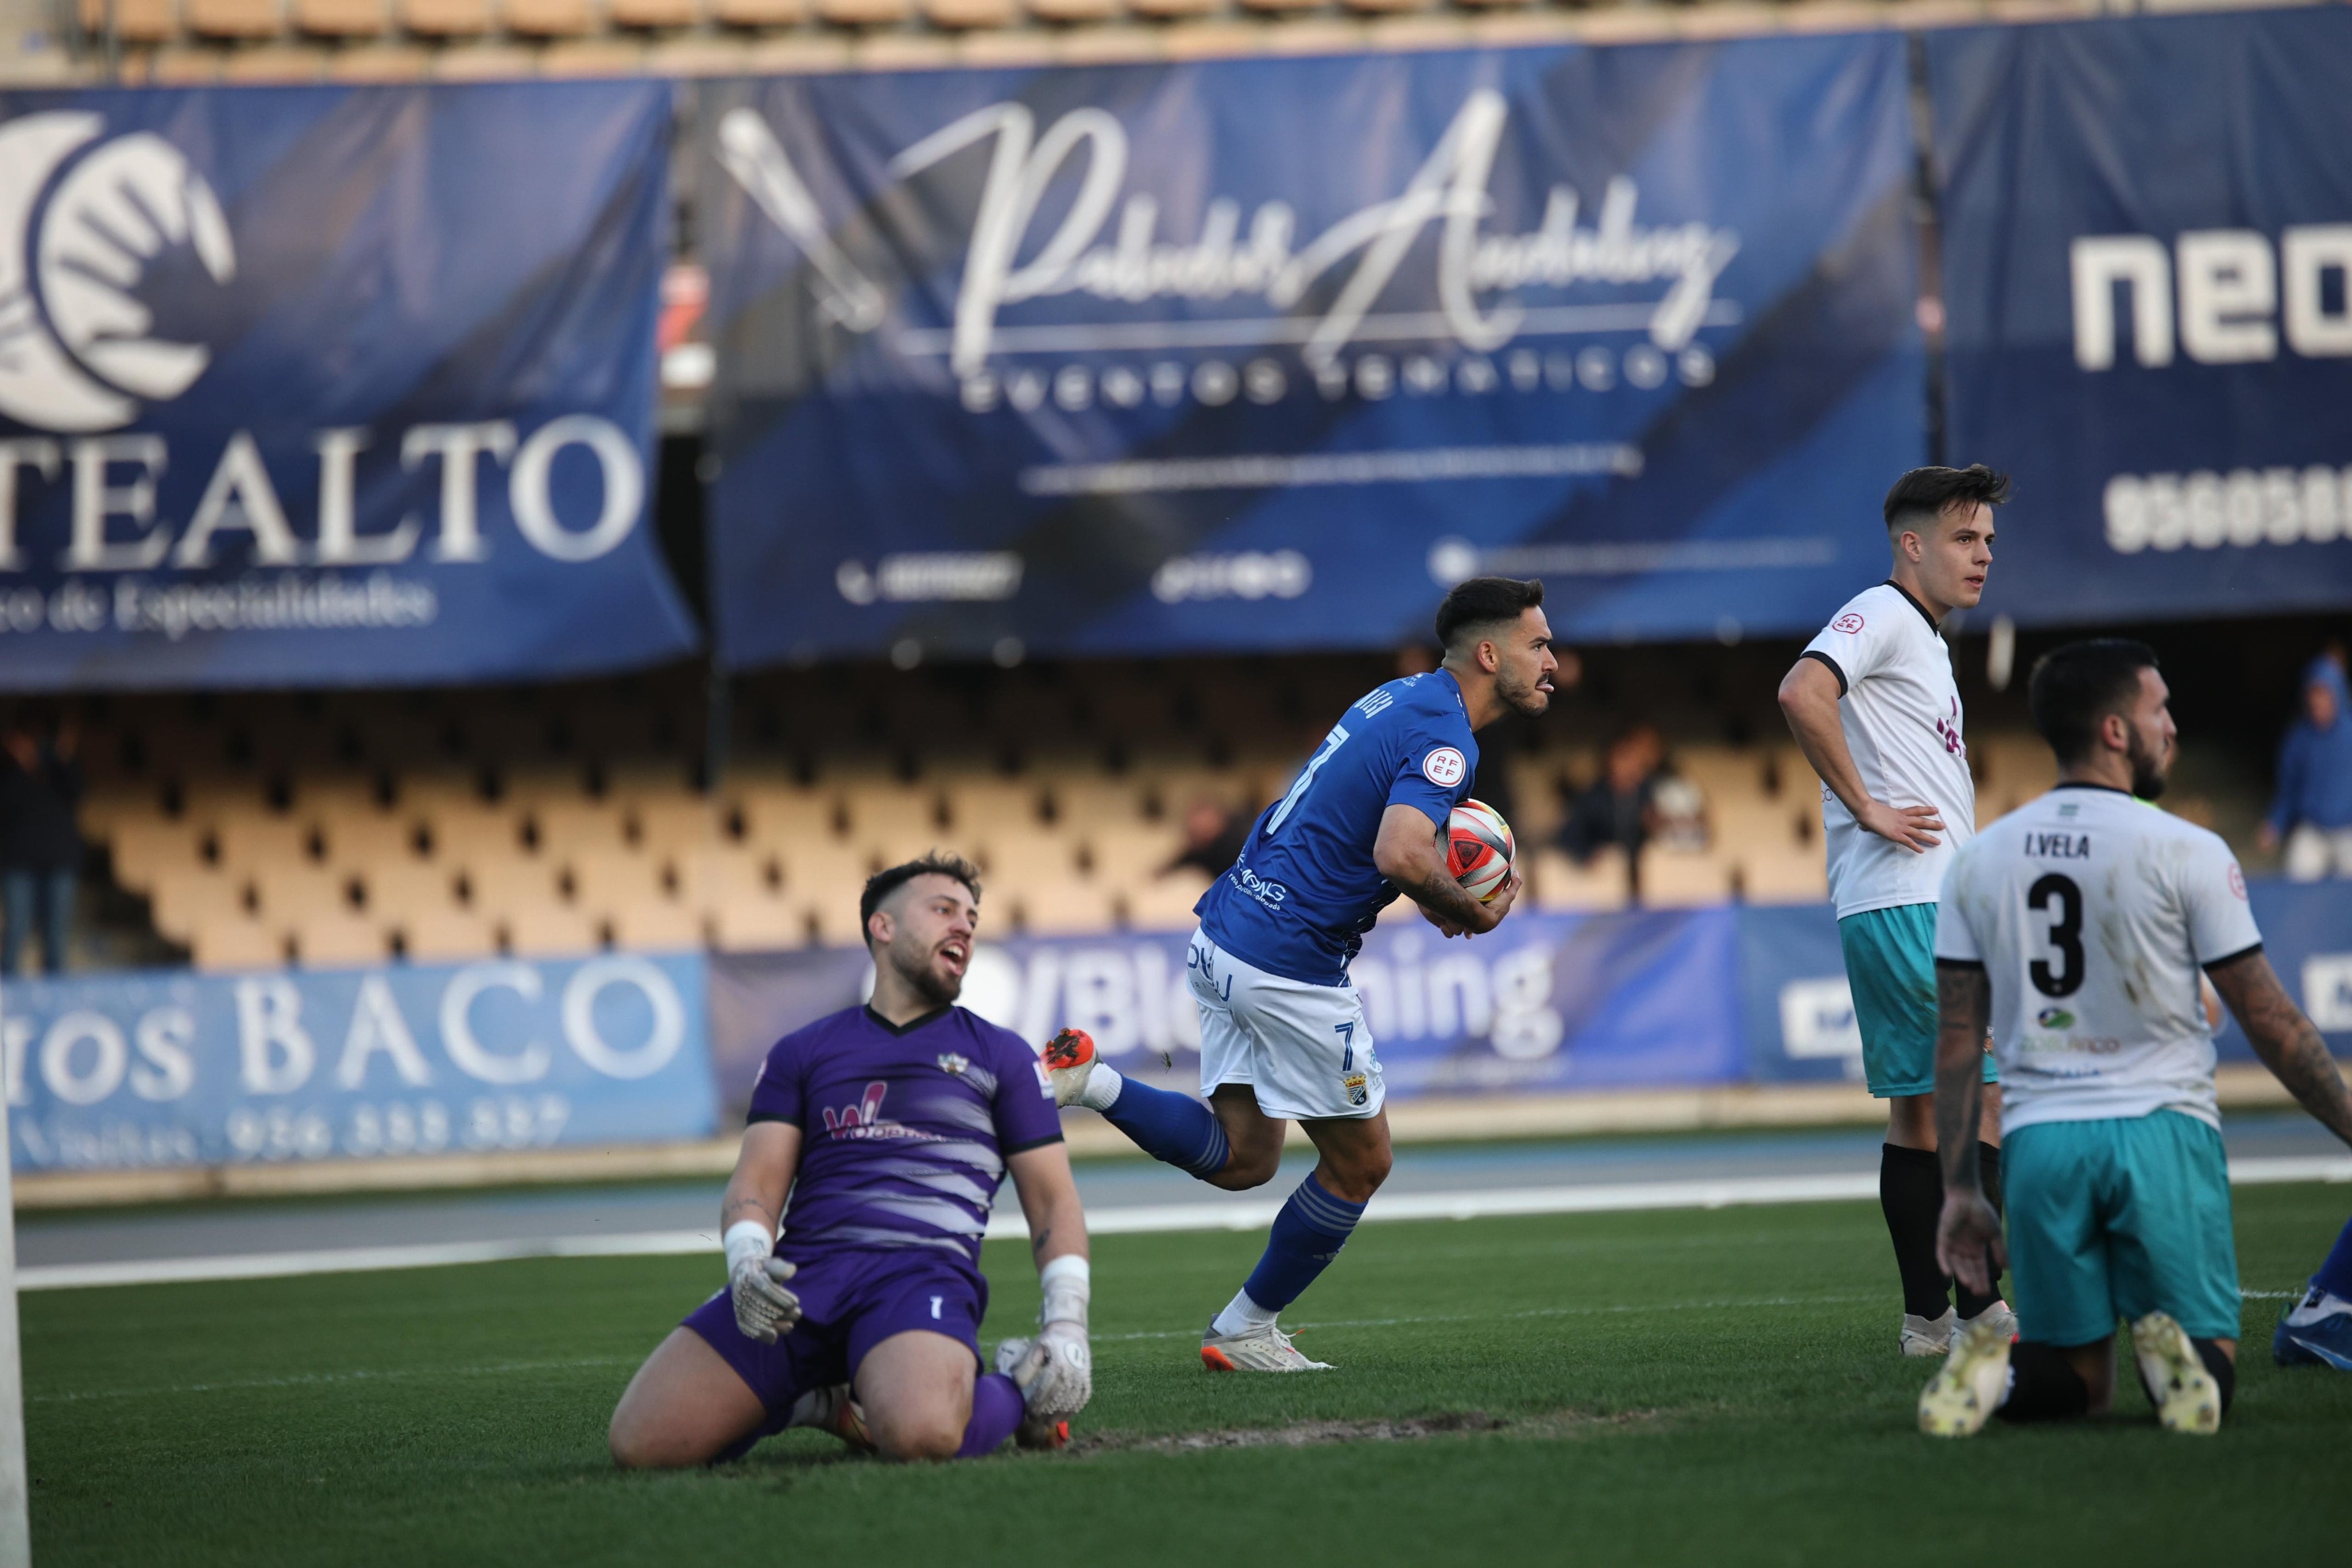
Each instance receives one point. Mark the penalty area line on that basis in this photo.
(1238, 1214)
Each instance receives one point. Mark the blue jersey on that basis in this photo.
(1298, 901)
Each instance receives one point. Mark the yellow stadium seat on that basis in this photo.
(232, 18)
(237, 942)
(1164, 903)
(341, 19)
(656, 925)
(145, 849)
(135, 21)
(755, 925)
(1790, 875)
(398, 891)
(343, 940)
(509, 884)
(1682, 879)
(251, 839)
(664, 824)
(449, 935)
(190, 898)
(549, 930)
(548, 19)
(1561, 886)
(1064, 908)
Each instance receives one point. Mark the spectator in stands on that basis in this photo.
(1213, 837)
(2313, 809)
(1620, 808)
(40, 846)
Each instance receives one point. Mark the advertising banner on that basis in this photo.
(2147, 268)
(1549, 1002)
(1268, 353)
(167, 1068)
(332, 385)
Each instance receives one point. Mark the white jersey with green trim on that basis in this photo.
(2093, 914)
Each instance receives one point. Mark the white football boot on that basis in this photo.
(1069, 1059)
(1926, 1336)
(2187, 1398)
(1999, 1316)
(1974, 1380)
(1262, 1349)
(833, 1409)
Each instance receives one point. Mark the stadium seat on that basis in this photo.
(664, 823)
(958, 16)
(1790, 875)
(1164, 903)
(659, 925)
(339, 940)
(1560, 885)
(448, 935)
(145, 849)
(576, 827)
(652, 12)
(135, 21)
(1063, 909)
(238, 942)
(547, 19)
(232, 18)
(341, 18)
(760, 14)
(396, 891)
(1682, 879)
(192, 899)
(864, 13)
(549, 930)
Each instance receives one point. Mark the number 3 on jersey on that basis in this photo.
(2065, 935)
(1331, 742)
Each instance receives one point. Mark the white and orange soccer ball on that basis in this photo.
(1480, 847)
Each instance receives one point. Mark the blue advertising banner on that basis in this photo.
(166, 1068)
(1549, 1002)
(2148, 266)
(332, 385)
(1269, 353)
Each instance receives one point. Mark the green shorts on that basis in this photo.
(1890, 967)
(2118, 1218)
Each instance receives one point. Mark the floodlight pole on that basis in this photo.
(15, 1530)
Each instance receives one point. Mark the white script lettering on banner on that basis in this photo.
(1107, 245)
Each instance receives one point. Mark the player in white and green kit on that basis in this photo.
(1873, 703)
(2078, 926)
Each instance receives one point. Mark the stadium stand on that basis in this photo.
(333, 829)
(262, 40)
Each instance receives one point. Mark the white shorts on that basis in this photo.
(1304, 1050)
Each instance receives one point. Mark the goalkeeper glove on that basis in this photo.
(755, 1279)
(1056, 1372)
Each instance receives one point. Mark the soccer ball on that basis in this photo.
(1480, 848)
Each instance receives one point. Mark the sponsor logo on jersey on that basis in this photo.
(1850, 623)
(953, 1062)
(1445, 766)
(2054, 1018)
(1947, 730)
(864, 1120)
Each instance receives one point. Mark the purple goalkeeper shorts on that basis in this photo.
(851, 1301)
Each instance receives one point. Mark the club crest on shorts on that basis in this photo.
(954, 1063)
(1358, 1088)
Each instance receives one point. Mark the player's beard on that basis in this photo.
(2148, 768)
(918, 971)
(1523, 697)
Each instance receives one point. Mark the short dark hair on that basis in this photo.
(2075, 686)
(1483, 601)
(883, 883)
(1930, 492)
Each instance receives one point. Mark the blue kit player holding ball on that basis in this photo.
(1283, 1035)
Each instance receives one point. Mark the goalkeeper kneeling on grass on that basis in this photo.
(899, 1120)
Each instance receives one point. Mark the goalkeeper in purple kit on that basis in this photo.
(891, 1126)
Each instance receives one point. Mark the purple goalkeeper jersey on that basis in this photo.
(904, 1131)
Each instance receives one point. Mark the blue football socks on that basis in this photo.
(1171, 1127)
(2335, 1276)
(1308, 1234)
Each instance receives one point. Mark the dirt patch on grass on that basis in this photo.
(1313, 1434)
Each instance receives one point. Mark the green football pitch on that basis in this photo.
(1705, 1388)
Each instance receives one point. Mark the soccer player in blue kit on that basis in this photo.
(891, 1125)
(1283, 1035)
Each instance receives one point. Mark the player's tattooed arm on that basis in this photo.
(1411, 853)
(1963, 1002)
(1967, 1233)
(763, 1175)
(2286, 1040)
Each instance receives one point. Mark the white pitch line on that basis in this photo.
(1242, 1214)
